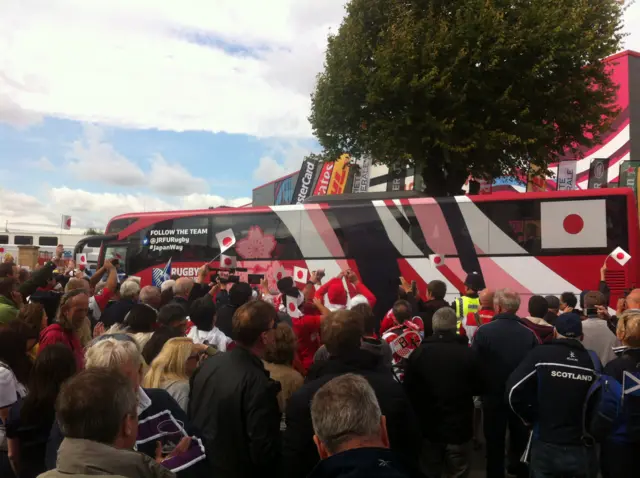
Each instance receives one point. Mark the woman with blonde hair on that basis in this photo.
(173, 367)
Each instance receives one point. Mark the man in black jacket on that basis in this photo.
(239, 295)
(500, 346)
(233, 402)
(436, 292)
(441, 379)
(548, 391)
(341, 333)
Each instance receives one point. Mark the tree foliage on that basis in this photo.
(459, 87)
(93, 232)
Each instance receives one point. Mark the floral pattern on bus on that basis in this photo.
(256, 245)
(273, 271)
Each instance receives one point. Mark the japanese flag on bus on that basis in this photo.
(300, 275)
(436, 260)
(227, 262)
(226, 239)
(620, 256)
(573, 224)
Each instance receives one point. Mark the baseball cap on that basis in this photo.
(569, 325)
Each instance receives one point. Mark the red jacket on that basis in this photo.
(56, 334)
(354, 289)
(470, 325)
(307, 329)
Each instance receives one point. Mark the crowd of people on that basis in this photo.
(100, 376)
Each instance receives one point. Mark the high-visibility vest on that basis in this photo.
(465, 305)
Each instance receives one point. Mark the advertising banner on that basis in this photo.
(340, 175)
(628, 174)
(566, 176)
(397, 177)
(306, 181)
(598, 173)
(324, 178)
(361, 179)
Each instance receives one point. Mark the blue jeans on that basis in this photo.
(558, 461)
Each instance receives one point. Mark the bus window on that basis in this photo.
(4, 239)
(520, 220)
(23, 240)
(119, 225)
(48, 241)
(360, 231)
(260, 236)
(617, 231)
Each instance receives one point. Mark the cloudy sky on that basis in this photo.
(111, 106)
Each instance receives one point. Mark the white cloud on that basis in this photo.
(93, 159)
(92, 209)
(160, 64)
(11, 113)
(43, 164)
(172, 179)
(290, 154)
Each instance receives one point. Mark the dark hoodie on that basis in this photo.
(362, 463)
(374, 345)
(428, 309)
(299, 452)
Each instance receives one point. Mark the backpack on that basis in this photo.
(615, 408)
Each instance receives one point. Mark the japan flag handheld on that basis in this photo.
(81, 259)
(227, 262)
(620, 256)
(436, 260)
(573, 224)
(66, 222)
(226, 239)
(300, 275)
(292, 307)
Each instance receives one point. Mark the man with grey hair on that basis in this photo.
(182, 290)
(115, 312)
(500, 346)
(100, 434)
(150, 295)
(442, 397)
(350, 432)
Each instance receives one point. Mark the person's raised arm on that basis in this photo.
(97, 276)
(112, 278)
(361, 288)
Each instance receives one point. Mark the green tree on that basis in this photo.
(93, 232)
(459, 87)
